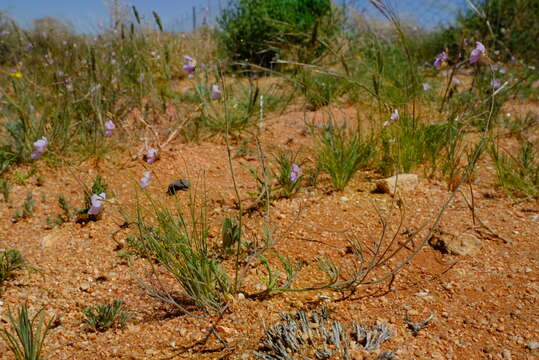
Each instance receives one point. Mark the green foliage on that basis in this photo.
(257, 31)
(322, 89)
(341, 152)
(180, 245)
(68, 213)
(231, 235)
(406, 145)
(98, 187)
(506, 25)
(4, 188)
(27, 207)
(105, 316)
(27, 338)
(11, 260)
(518, 174)
(286, 184)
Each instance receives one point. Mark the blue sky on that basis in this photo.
(85, 15)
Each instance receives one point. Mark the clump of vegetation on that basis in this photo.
(509, 26)
(11, 260)
(519, 174)
(342, 152)
(259, 31)
(27, 337)
(27, 208)
(105, 316)
(314, 335)
(180, 243)
(68, 212)
(231, 235)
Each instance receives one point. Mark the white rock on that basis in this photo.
(399, 182)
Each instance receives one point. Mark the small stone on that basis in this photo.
(86, 287)
(241, 297)
(399, 182)
(533, 345)
(461, 244)
(421, 294)
(344, 199)
(506, 354)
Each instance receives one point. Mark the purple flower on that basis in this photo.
(394, 117)
(151, 155)
(294, 175)
(145, 180)
(29, 47)
(97, 205)
(476, 53)
(109, 126)
(495, 83)
(215, 92)
(189, 64)
(426, 87)
(39, 147)
(440, 60)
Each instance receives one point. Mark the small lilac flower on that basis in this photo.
(189, 64)
(495, 83)
(109, 126)
(151, 155)
(29, 47)
(294, 175)
(69, 85)
(96, 204)
(145, 180)
(426, 86)
(477, 53)
(215, 92)
(394, 117)
(39, 146)
(440, 60)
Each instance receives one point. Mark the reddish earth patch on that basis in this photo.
(485, 303)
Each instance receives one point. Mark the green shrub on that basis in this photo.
(257, 31)
(28, 336)
(341, 152)
(105, 316)
(513, 30)
(518, 174)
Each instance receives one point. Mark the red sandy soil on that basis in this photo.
(485, 303)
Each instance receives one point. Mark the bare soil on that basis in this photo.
(485, 303)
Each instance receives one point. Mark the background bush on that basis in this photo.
(513, 30)
(257, 31)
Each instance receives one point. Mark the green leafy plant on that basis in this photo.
(27, 208)
(27, 337)
(518, 174)
(231, 235)
(4, 188)
(105, 316)
(68, 213)
(11, 260)
(341, 152)
(256, 31)
(288, 174)
(180, 244)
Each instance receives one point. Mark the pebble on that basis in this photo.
(421, 293)
(533, 345)
(344, 199)
(506, 354)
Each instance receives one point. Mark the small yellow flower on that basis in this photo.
(16, 74)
